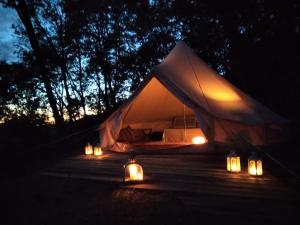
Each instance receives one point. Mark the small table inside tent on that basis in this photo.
(181, 135)
(184, 130)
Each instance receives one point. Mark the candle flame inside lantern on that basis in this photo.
(233, 163)
(97, 151)
(255, 167)
(88, 149)
(134, 173)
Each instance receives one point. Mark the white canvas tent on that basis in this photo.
(183, 86)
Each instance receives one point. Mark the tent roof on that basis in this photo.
(191, 80)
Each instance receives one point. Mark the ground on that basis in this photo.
(210, 196)
(48, 200)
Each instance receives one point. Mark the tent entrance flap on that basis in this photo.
(158, 110)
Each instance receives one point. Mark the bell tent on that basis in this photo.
(183, 101)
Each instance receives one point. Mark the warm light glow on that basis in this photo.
(198, 140)
(255, 167)
(233, 163)
(259, 169)
(97, 151)
(224, 96)
(88, 149)
(252, 167)
(219, 91)
(133, 172)
(228, 164)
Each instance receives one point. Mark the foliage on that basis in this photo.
(19, 94)
(95, 54)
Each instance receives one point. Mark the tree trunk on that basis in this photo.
(81, 94)
(64, 78)
(109, 91)
(22, 10)
(63, 67)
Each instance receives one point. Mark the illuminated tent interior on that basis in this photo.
(184, 99)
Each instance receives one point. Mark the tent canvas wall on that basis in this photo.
(183, 85)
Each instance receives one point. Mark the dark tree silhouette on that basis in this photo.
(24, 15)
(92, 55)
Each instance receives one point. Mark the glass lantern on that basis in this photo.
(255, 165)
(97, 151)
(88, 149)
(133, 171)
(233, 162)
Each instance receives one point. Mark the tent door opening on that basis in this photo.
(156, 115)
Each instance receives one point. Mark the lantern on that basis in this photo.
(198, 140)
(88, 149)
(255, 165)
(97, 151)
(133, 171)
(233, 162)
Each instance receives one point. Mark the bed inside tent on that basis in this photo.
(157, 119)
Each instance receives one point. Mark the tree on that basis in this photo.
(19, 95)
(92, 56)
(24, 14)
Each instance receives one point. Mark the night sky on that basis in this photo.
(7, 38)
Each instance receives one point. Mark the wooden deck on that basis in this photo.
(200, 181)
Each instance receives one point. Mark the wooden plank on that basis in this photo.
(83, 176)
(198, 174)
